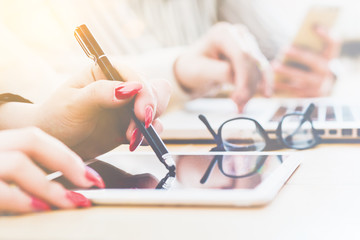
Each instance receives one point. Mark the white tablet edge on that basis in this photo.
(261, 195)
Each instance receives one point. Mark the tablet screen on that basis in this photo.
(211, 170)
(218, 179)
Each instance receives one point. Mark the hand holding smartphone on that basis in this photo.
(308, 39)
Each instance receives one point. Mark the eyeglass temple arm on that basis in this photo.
(209, 169)
(207, 124)
(308, 112)
(307, 115)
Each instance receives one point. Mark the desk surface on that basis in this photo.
(320, 201)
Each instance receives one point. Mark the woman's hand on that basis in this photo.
(317, 80)
(23, 184)
(227, 54)
(91, 114)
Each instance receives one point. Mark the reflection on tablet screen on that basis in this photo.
(228, 171)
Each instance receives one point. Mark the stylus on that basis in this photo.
(93, 50)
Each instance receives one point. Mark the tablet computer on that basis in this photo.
(201, 179)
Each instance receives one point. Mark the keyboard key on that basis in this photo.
(347, 115)
(330, 114)
(332, 131)
(280, 112)
(346, 132)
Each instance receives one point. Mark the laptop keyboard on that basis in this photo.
(324, 113)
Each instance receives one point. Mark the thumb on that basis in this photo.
(267, 83)
(243, 89)
(105, 94)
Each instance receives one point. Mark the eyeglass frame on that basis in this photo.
(220, 143)
(307, 117)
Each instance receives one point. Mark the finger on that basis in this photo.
(136, 137)
(104, 94)
(297, 80)
(287, 88)
(267, 83)
(208, 82)
(21, 171)
(298, 91)
(242, 93)
(257, 64)
(332, 44)
(295, 91)
(50, 153)
(96, 92)
(293, 74)
(152, 101)
(230, 48)
(13, 200)
(162, 92)
(158, 125)
(239, 49)
(315, 61)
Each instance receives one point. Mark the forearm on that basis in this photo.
(17, 115)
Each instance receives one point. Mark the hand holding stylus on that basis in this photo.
(90, 114)
(93, 50)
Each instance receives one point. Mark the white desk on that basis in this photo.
(320, 201)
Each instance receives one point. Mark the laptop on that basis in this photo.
(336, 120)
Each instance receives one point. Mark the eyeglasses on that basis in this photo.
(295, 130)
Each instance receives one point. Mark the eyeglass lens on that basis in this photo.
(242, 135)
(297, 132)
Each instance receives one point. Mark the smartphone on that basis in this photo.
(306, 37)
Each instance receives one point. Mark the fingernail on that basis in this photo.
(78, 199)
(126, 90)
(136, 139)
(39, 205)
(148, 115)
(94, 177)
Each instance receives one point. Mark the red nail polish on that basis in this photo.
(39, 205)
(136, 139)
(78, 199)
(148, 116)
(126, 90)
(94, 177)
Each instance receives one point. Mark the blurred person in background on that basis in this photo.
(199, 45)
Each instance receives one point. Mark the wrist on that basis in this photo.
(177, 76)
(17, 115)
(183, 75)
